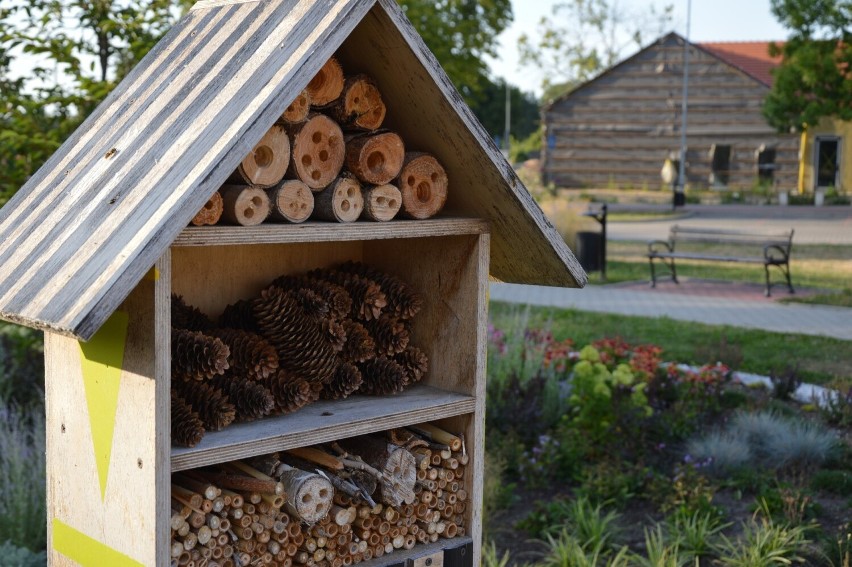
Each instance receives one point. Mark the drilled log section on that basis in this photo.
(326, 85)
(342, 201)
(298, 110)
(210, 213)
(267, 163)
(381, 203)
(375, 159)
(397, 466)
(308, 495)
(246, 206)
(360, 105)
(291, 201)
(423, 184)
(318, 151)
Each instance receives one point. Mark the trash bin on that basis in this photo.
(590, 250)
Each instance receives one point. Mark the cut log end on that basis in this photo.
(361, 104)
(291, 201)
(318, 151)
(267, 163)
(376, 160)
(298, 110)
(423, 183)
(326, 85)
(210, 213)
(381, 203)
(246, 206)
(342, 201)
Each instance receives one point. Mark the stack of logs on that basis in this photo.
(322, 506)
(327, 158)
(326, 334)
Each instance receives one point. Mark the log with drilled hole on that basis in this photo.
(298, 110)
(210, 213)
(423, 184)
(245, 206)
(318, 151)
(291, 201)
(375, 159)
(326, 85)
(381, 202)
(342, 201)
(267, 163)
(360, 105)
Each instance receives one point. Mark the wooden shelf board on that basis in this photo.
(402, 556)
(316, 231)
(322, 422)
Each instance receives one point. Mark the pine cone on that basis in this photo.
(196, 356)
(250, 399)
(303, 348)
(213, 407)
(239, 315)
(390, 334)
(336, 297)
(359, 345)
(335, 334)
(368, 301)
(415, 363)
(382, 376)
(251, 355)
(346, 380)
(187, 429)
(312, 304)
(403, 302)
(292, 394)
(185, 316)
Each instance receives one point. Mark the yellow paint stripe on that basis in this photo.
(86, 551)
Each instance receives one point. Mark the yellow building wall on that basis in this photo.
(826, 127)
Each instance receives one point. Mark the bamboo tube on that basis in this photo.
(439, 435)
(187, 497)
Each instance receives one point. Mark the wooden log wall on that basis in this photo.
(620, 128)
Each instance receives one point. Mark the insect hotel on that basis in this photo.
(262, 267)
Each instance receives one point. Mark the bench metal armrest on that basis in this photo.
(770, 256)
(654, 246)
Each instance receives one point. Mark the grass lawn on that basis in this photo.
(821, 360)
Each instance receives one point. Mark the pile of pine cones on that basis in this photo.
(322, 335)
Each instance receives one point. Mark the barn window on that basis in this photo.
(720, 164)
(765, 163)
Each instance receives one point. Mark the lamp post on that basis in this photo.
(681, 174)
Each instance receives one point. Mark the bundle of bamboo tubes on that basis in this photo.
(327, 158)
(234, 514)
(326, 334)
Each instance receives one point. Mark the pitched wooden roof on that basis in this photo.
(87, 226)
(750, 57)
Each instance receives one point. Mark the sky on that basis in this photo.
(712, 20)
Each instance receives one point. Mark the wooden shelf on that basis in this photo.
(315, 231)
(321, 422)
(409, 556)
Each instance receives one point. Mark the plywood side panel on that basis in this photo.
(102, 435)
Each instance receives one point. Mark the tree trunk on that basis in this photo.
(291, 201)
(267, 163)
(381, 203)
(318, 151)
(376, 159)
(341, 201)
(246, 206)
(423, 183)
(360, 105)
(211, 212)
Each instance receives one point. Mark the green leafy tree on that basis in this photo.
(76, 51)
(461, 33)
(584, 37)
(490, 107)
(813, 80)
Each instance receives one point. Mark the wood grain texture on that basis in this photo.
(355, 415)
(120, 190)
(138, 473)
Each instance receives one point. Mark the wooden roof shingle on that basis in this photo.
(81, 233)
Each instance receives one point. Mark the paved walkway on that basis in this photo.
(733, 305)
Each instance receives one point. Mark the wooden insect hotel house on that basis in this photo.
(262, 269)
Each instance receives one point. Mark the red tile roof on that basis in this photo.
(750, 57)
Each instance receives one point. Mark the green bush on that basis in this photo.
(14, 556)
(763, 544)
(834, 481)
(21, 366)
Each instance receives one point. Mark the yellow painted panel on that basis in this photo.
(102, 358)
(86, 551)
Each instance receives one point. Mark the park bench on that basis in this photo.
(774, 250)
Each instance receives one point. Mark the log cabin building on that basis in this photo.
(620, 128)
